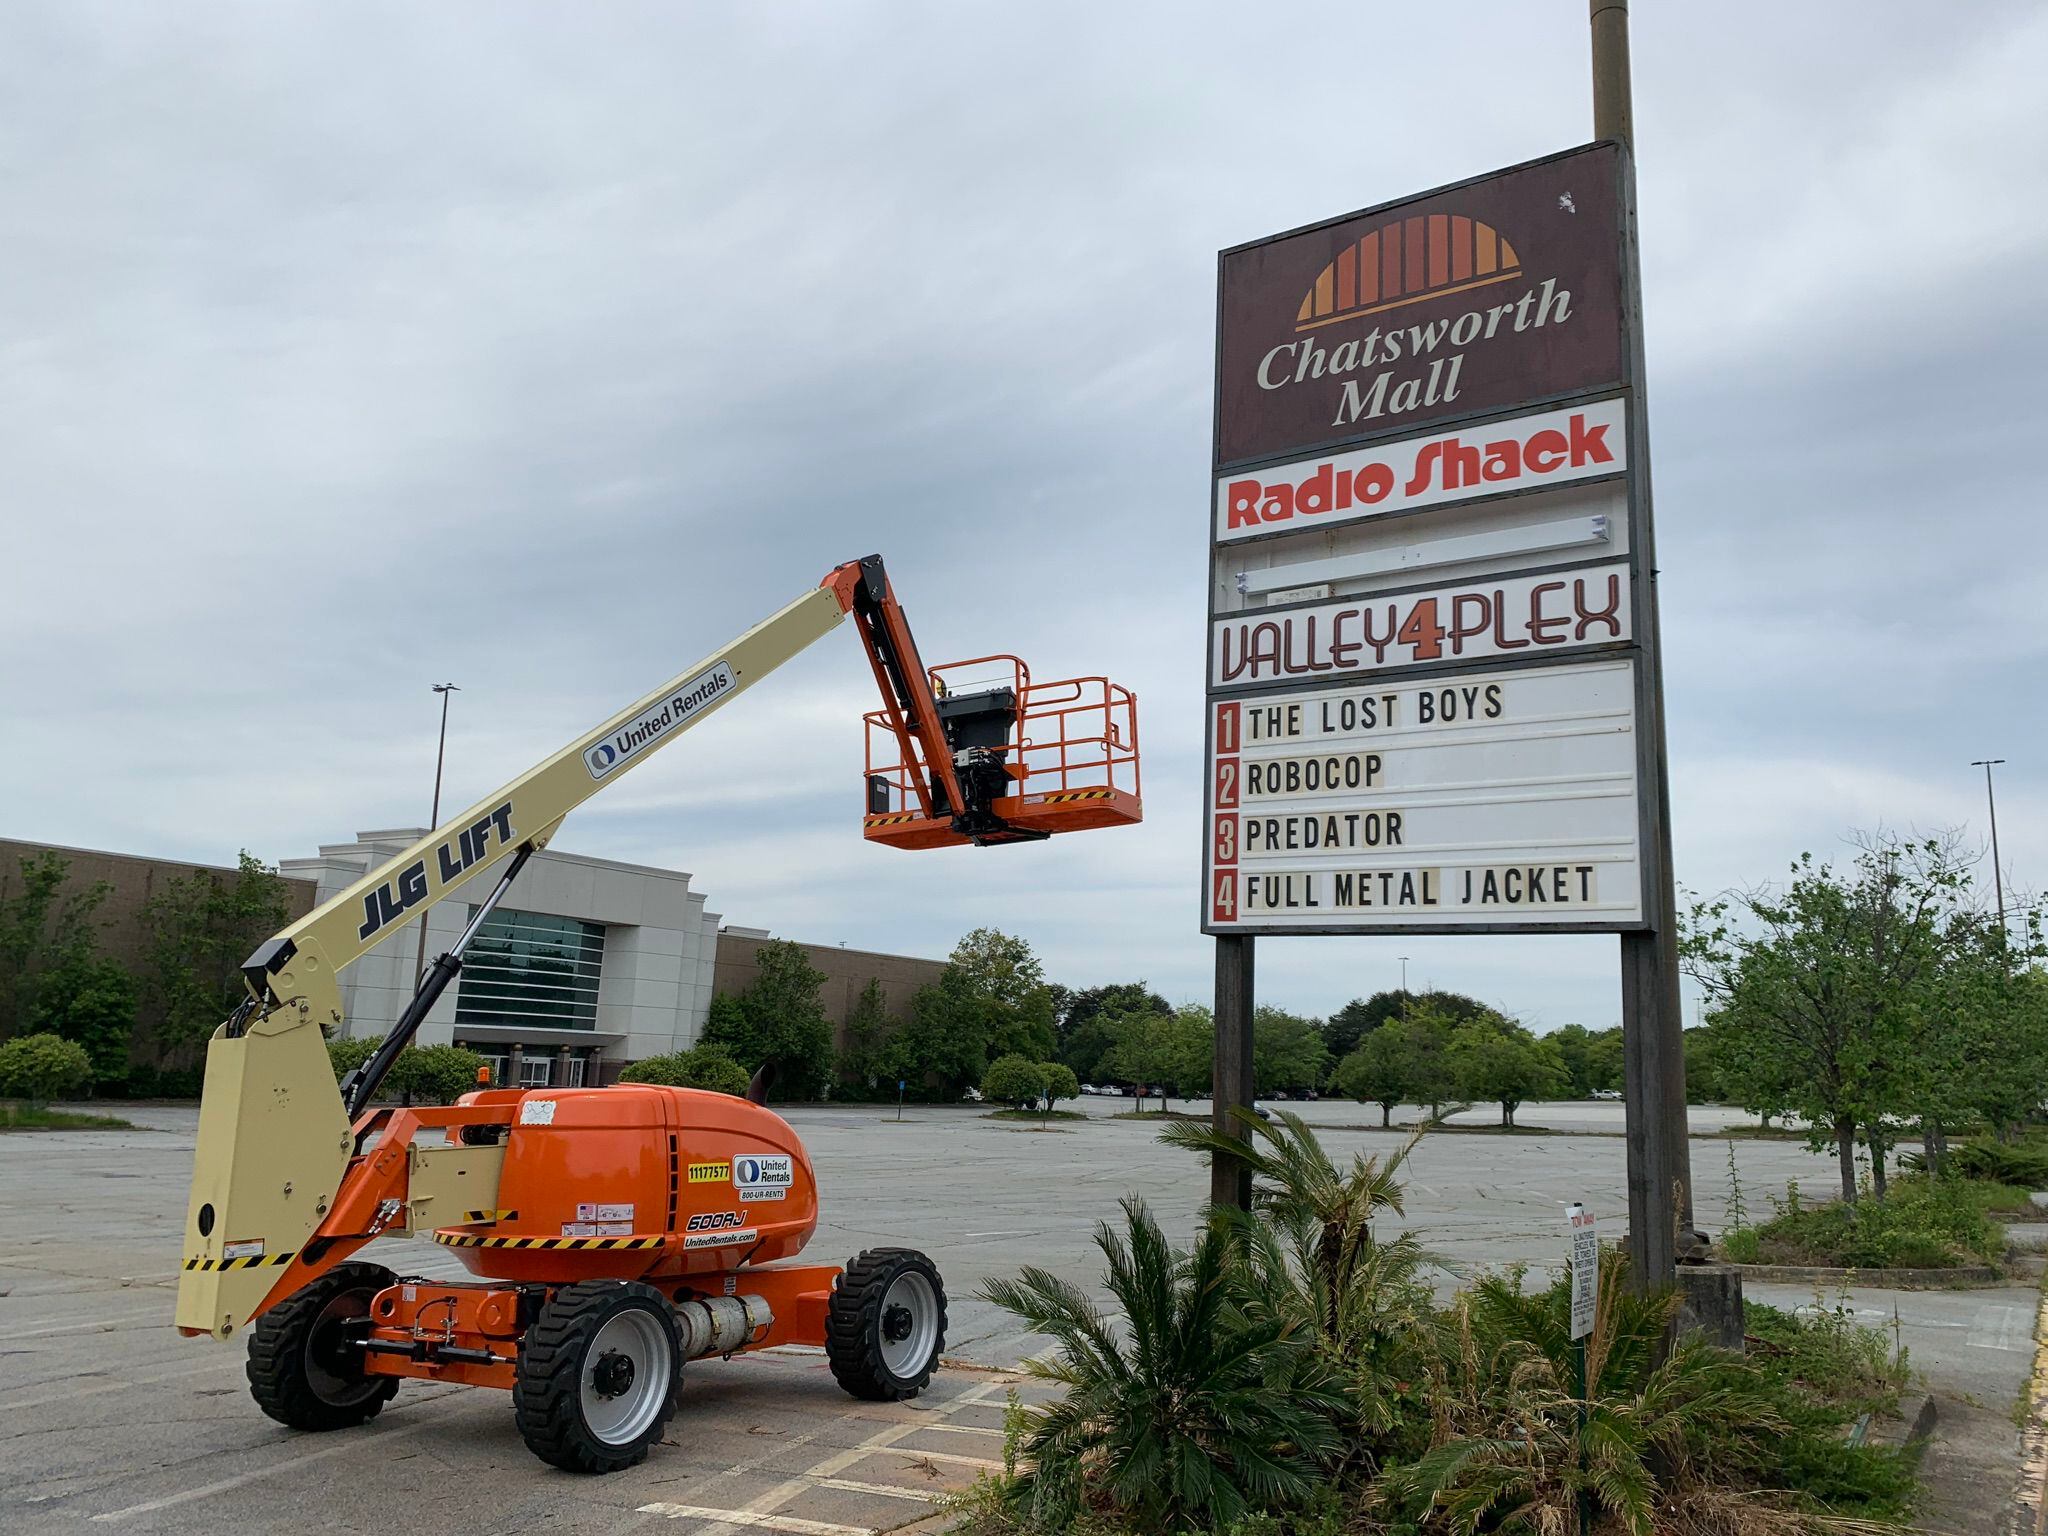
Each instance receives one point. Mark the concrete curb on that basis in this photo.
(2030, 1498)
(1961, 1278)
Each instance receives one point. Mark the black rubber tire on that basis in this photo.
(854, 1321)
(296, 1374)
(547, 1396)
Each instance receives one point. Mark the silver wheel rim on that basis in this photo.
(631, 1345)
(907, 1356)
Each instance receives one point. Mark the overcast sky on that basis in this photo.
(347, 349)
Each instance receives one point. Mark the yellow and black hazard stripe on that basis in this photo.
(254, 1261)
(478, 1240)
(471, 1218)
(1066, 796)
(896, 819)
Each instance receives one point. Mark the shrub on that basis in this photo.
(1013, 1080)
(710, 1067)
(2021, 1167)
(346, 1054)
(428, 1074)
(434, 1074)
(1195, 1414)
(1921, 1224)
(43, 1067)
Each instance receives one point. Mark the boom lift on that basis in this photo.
(613, 1233)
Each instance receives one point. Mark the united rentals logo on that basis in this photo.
(659, 721)
(1406, 262)
(1493, 294)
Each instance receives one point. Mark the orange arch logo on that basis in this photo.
(1405, 262)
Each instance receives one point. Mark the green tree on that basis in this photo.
(1288, 1053)
(1574, 1043)
(1702, 1067)
(1605, 1060)
(709, 1067)
(200, 929)
(1191, 1050)
(1376, 1072)
(1060, 1082)
(1828, 994)
(861, 1067)
(778, 1021)
(48, 928)
(1014, 1081)
(91, 1002)
(942, 1048)
(998, 976)
(1422, 1037)
(43, 1067)
(1496, 1059)
(1359, 1018)
(1082, 1019)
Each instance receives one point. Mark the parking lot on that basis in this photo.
(108, 1417)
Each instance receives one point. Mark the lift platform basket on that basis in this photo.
(1032, 759)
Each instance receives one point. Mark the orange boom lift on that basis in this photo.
(613, 1234)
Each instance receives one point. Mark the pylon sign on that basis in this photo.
(1426, 659)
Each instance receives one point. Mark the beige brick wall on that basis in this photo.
(847, 973)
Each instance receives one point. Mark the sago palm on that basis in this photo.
(1516, 1439)
(1195, 1412)
(1327, 1213)
(1361, 1293)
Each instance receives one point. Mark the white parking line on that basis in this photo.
(232, 1362)
(290, 1464)
(1996, 1327)
(880, 1490)
(105, 1323)
(741, 1517)
(759, 1511)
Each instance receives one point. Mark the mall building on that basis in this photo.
(587, 965)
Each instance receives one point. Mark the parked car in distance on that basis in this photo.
(1607, 1093)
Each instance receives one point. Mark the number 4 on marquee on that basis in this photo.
(1223, 897)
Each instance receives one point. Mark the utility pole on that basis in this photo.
(1659, 1154)
(1997, 875)
(1404, 975)
(419, 963)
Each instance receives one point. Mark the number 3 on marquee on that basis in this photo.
(1225, 850)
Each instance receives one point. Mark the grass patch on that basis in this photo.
(16, 1116)
(1032, 1116)
(1921, 1224)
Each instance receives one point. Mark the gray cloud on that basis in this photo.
(351, 349)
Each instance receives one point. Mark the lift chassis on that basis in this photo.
(612, 1233)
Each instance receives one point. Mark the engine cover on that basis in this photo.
(638, 1182)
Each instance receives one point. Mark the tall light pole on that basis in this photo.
(1997, 875)
(419, 962)
(1404, 973)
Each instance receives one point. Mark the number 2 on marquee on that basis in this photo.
(1226, 784)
